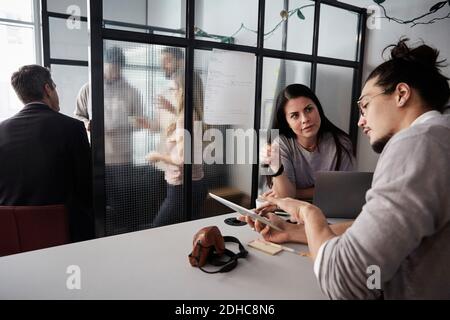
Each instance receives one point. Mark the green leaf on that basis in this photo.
(301, 16)
(225, 39)
(380, 1)
(201, 33)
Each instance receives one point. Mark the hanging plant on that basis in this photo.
(417, 20)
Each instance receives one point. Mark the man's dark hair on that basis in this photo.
(29, 81)
(176, 53)
(114, 55)
(418, 67)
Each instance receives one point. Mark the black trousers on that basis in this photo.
(171, 210)
(133, 196)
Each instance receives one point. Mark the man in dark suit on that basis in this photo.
(45, 155)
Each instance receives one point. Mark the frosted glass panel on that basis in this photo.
(231, 181)
(167, 17)
(67, 42)
(299, 31)
(68, 6)
(334, 90)
(338, 33)
(141, 193)
(228, 18)
(170, 14)
(69, 80)
(130, 11)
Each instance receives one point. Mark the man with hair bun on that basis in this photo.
(399, 245)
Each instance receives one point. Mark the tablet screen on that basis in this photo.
(244, 211)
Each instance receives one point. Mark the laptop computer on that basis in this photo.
(341, 194)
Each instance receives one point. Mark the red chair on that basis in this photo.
(25, 228)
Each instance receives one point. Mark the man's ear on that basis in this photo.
(47, 89)
(403, 93)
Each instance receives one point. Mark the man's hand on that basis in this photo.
(142, 123)
(266, 208)
(290, 232)
(165, 104)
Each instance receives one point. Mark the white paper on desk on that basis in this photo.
(230, 88)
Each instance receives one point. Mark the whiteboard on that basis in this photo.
(230, 88)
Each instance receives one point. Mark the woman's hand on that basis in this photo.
(296, 208)
(270, 193)
(270, 156)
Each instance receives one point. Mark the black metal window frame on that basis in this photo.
(45, 17)
(99, 33)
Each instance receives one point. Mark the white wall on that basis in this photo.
(436, 35)
(66, 42)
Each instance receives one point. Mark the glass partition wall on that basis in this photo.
(180, 88)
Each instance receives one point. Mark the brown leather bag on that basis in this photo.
(209, 247)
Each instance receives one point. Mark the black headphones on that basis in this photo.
(229, 264)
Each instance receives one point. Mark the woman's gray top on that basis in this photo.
(300, 164)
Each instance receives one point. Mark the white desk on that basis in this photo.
(153, 264)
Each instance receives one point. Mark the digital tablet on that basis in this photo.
(244, 211)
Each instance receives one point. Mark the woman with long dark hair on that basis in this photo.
(308, 142)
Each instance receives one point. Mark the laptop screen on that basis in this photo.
(341, 194)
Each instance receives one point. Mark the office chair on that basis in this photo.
(25, 228)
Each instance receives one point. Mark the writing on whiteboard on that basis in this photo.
(230, 88)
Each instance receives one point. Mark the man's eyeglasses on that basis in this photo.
(363, 102)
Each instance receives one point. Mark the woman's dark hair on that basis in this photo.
(293, 91)
(417, 67)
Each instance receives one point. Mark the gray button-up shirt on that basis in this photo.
(404, 227)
